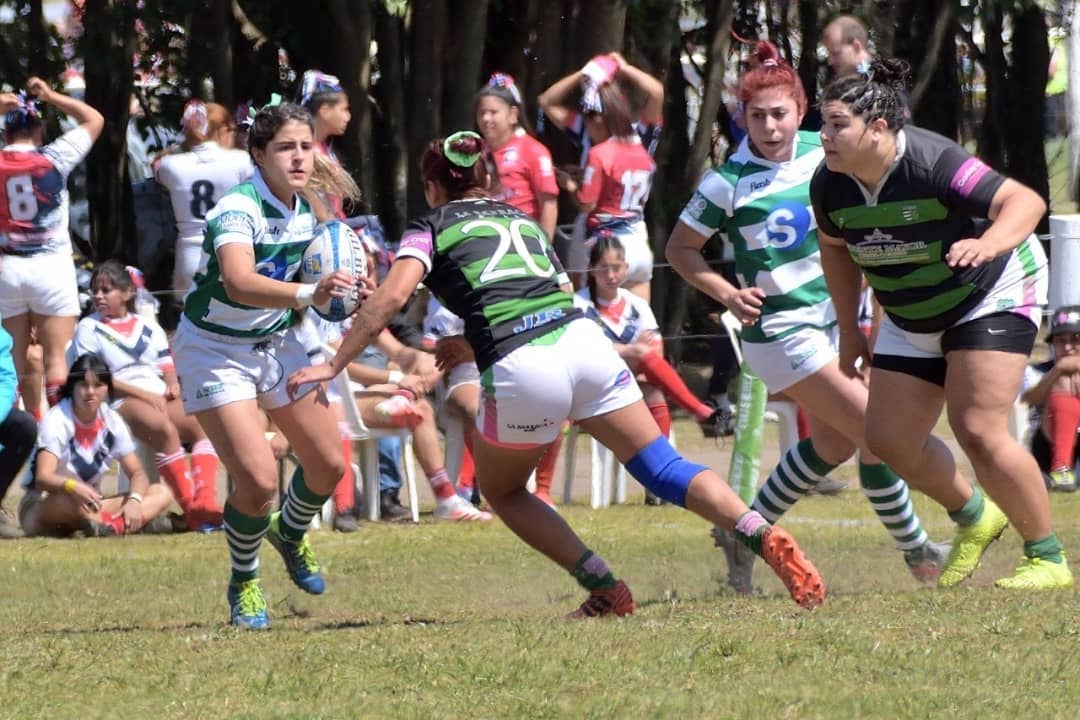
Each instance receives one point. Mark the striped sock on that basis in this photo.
(891, 500)
(796, 474)
(204, 467)
(441, 485)
(592, 573)
(300, 505)
(174, 471)
(244, 533)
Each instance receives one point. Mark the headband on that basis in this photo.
(462, 160)
(275, 100)
(317, 82)
(194, 117)
(26, 110)
(506, 82)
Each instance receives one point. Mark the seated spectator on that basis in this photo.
(1052, 389)
(393, 399)
(18, 433)
(147, 394)
(78, 440)
(629, 323)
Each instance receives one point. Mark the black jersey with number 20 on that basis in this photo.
(493, 266)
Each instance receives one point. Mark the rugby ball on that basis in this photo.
(334, 247)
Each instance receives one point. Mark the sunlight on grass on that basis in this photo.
(448, 621)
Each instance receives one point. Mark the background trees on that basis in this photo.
(411, 67)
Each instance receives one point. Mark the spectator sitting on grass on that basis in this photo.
(77, 442)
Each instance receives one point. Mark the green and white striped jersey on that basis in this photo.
(249, 213)
(763, 209)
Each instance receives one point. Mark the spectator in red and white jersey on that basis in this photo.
(526, 174)
(618, 166)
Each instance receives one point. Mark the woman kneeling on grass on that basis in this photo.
(78, 440)
(541, 362)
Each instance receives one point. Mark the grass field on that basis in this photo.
(446, 621)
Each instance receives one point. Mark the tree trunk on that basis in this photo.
(426, 53)
(391, 148)
(352, 23)
(808, 62)
(930, 48)
(991, 137)
(464, 54)
(109, 38)
(600, 27)
(668, 198)
(222, 62)
(38, 40)
(1024, 144)
(718, 27)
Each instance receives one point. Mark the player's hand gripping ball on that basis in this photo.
(335, 247)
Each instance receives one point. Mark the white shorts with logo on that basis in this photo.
(214, 371)
(782, 363)
(43, 284)
(1025, 296)
(573, 372)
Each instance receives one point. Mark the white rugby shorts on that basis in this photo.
(215, 371)
(43, 284)
(572, 372)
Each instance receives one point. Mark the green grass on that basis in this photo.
(446, 621)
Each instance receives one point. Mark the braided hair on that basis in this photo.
(877, 93)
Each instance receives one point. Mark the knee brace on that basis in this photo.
(663, 471)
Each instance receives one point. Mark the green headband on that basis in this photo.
(461, 159)
(275, 100)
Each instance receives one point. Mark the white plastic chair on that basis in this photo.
(365, 441)
(787, 412)
(607, 476)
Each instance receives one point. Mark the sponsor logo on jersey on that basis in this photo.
(417, 240)
(528, 322)
(756, 185)
(879, 238)
(968, 176)
(623, 378)
(910, 213)
(545, 165)
(787, 225)
(510, 157)
(235, 221)
(697, 205)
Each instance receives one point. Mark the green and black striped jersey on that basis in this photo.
(899, 233)
(491, 265)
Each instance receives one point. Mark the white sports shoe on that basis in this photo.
(458, 509)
